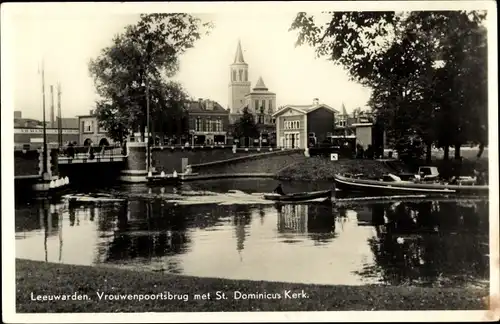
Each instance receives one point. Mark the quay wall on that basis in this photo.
(29, 162)
(262, 163)
(26, 162)
(169, 159)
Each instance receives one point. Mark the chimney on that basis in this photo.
(315, 101)
(209, 104)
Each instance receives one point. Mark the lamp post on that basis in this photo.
(148, 150)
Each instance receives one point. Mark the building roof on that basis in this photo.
(260, 92)
(238, 57)
(305, 109)
(260, 85)
(27, 122)
(201, 106)
(65, 123)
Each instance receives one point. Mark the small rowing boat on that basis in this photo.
(387, 186)
(88, 198)
(299, 196)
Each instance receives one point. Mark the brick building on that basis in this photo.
(28, 132)
(91, 132)
(208, 122)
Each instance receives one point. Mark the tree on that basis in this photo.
(245, 126)
(139, 61)
(420, 66)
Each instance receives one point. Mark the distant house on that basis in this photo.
(91, 132)
(208, 122)
(29, 132)
(345, 123)
(300, 126)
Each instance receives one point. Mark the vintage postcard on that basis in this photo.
(250, 161)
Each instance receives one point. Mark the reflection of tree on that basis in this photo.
(157, 232)
(438, 245)
(262, 214)
(242, 219)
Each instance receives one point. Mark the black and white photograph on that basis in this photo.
(250, 161)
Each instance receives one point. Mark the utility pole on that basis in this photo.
(59, 122)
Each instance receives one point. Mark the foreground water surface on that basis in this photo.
(225, 229)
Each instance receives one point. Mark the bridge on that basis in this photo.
(28, 163)
(83, 165)
(113, 154)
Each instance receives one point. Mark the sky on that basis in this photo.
(67, 41)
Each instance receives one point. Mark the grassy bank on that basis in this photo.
(320, 168)
(39, 278)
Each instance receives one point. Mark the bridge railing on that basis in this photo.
(86, 152)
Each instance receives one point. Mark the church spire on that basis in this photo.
(344, 111)
(260, 85)
(238, 57)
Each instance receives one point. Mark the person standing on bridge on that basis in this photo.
(91, 151)
(124, 147)
(70, 150)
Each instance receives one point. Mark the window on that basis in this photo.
(234, 75)
(88, 126)
(246, 75)
(218, 125)
(294, 124)
(197, 126)
(270, 106)
(256, 105)
(209, 125)
(263, 105)
(241, 75)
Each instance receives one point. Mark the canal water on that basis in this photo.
(225, 229)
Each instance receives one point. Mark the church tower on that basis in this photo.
(239, 86)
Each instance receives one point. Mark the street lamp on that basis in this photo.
(148, 150)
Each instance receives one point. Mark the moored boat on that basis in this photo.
(300, 196)
(163, 178)
(397, 187)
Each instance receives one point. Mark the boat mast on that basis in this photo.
(59, 122)
(44, 156)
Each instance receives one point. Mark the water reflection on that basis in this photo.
(429, 243)
(416, 243)
(316, 222)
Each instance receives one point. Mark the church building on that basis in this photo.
(261, 102)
